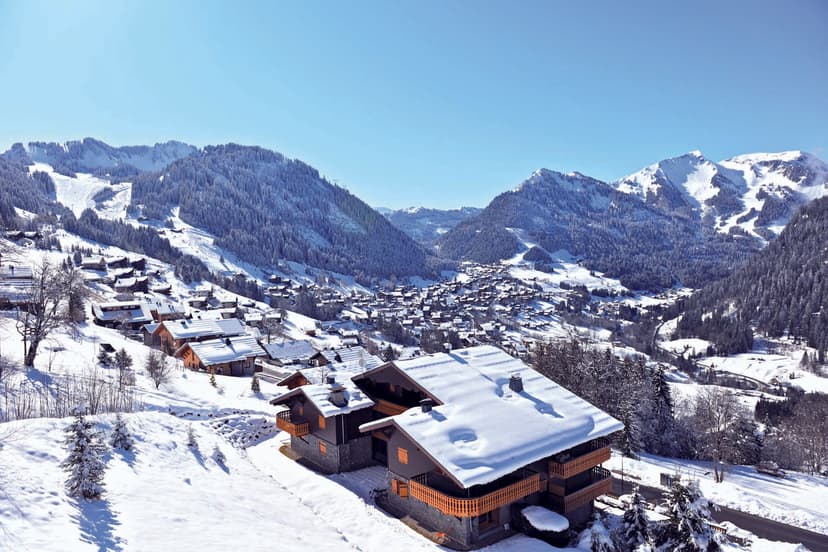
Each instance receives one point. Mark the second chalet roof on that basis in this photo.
(226, 349)
(482, 430)
(289, 351)
(185, 329)
(320, 395)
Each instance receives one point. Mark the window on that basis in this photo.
(392, 387)
(321, 422)
(323, 448)
(301, 409)
(402, 455)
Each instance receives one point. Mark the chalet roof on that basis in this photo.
(133, 312)
(225, 349)
(319, 394)
(345, 354)
(13, 271)
(483, 430)
(290, 351)
(188, 329)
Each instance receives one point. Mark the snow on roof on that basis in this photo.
(122, 311)
(226, 349)
(290, 350)
(345, 354)
(184, 329)
(483, 430)
(545, 520)
(320, 395)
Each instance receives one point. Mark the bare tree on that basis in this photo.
(46, 306)
(715, 410)
(158, 369)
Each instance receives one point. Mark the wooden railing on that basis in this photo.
(388, 408)
(600, 483)
(472, 507)
(580, 463)
(296, 428)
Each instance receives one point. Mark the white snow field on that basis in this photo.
(798, 499)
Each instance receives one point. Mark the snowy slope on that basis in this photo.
(89, 154)
(78, 192)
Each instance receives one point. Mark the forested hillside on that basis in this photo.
(31, 192)
(783, 290)
(615, 232)
(265, 207)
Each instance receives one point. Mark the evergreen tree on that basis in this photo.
(84, 463)
(104, 359)
(254, 384)
(121, 438)
(688, 528)
(636, 524)
(629, 442)
(213, 377)
(600, 539)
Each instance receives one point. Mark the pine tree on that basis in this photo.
(254, 384)
(213, 377)
(688, 528)
(121, 438)
(630, 439)
(636, 524)
(600, 539)
(84, 463)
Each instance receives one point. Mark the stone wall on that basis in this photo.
(353, 455)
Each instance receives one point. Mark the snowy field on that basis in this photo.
(798, 499)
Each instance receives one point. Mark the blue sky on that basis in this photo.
(438, 103)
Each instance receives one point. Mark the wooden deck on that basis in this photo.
(472, 507)
(296, 428)
(580, 464)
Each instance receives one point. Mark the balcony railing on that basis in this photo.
(286, 423)
(388, 408)
(579, 463)
(472, 507)
(600, 482)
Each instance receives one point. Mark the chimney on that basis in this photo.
(330, 380)
(516, 383)
(426, 405)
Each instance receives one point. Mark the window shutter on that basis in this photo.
(402, 455)
(323, 448)
(321, 422)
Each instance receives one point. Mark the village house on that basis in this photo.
(230, 356)
(289, 352)
(15, 285)
(172, 334)
(122, 314)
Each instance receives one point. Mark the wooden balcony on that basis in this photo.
(472, 507)
(388, 408)
(580, 463)
(296, 428)
(600, 482)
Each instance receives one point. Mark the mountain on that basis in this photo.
(684, 220)
(755, 193)
(427, 225)
(93, 156)
(783, 290)
(265, 208)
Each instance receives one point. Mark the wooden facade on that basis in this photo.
(473, 507)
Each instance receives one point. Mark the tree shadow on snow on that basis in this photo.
(97, 524)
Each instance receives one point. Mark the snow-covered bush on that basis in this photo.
(636, 524)
(192, 442)
(218, 456)
(121, 438)
(688, 527)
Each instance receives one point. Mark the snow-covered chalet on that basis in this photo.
(472, 439)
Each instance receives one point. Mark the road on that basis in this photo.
(759, 526)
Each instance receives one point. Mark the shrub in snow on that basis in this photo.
(636, 524)
(121, 437)
(213, 378)
(254, 384)
(599, 538)
(191, 438)
(218, 456)
(688, 528)
(84, 463)
(104, 358)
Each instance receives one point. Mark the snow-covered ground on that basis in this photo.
(798, 499)
(77, 193)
